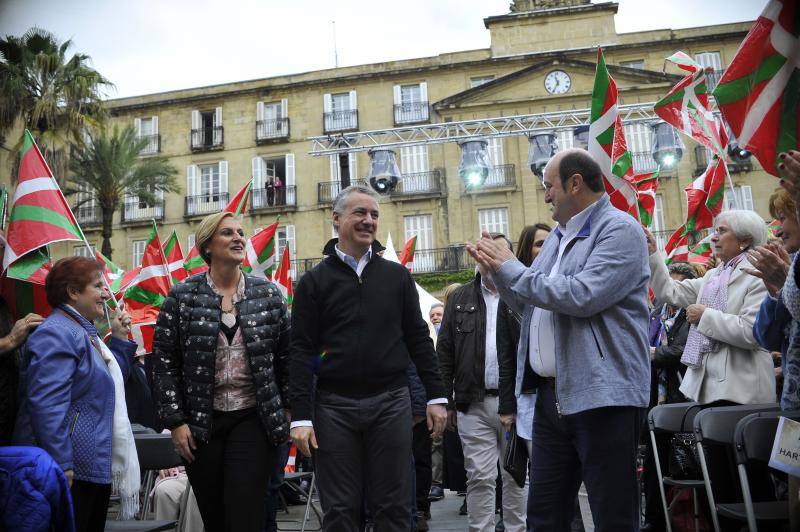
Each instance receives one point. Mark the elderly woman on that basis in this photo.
(73, 395)
(220, 378)
(724, 361)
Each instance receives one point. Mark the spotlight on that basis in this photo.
(383, 171)
(541, 149)
(474, 165)
(667, 146)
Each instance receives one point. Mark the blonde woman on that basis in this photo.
(220, 378)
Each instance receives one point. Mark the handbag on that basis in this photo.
(683, 459)
(515, 460)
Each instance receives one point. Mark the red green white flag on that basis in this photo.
(646, 187)
(175, 261)
(407, 255)
(773, 227)
(677, 248)
(194, 263)
(144, 297)
(686, 106)
(704, 196)
(32, 267)
(283, 277)
(759, 92)
(238, 204)
(111, 272)
(259, 257)
(39, 213)
(607, 140)
(701, 252)
(23, 298)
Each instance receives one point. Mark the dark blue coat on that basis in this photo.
(67, 395)
(34, 492)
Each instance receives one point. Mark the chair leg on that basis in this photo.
(707, 481)
(696, 506)
(667, 518)
(748, 499)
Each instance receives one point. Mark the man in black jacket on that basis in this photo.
(470, 351)
(356, 324)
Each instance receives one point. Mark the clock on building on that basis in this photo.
(557, 82)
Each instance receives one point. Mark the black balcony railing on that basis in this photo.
(327, 191)
(207, 138)
(153, 145)
(134, 210)
(271, 197)
(420, 183)
(712, 78)
(89, 215)
(500, 176)
(301, 266)
(340, 120)
(407, 113)
(277, 128)
(206, 203)
(643, 162)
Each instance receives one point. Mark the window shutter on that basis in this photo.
(218, 117)
(747, 197)
(258, 179)
(289, 170)
(284, 108)
(353, 101)
(353, 161)
(223, 175)
(155, 125)
(334, 164)
(137, 125)
(259, 111)
(327, 103)
(423, 91)
(195, 119)
(191, 180)
(397, 95)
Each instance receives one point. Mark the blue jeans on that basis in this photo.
(273, 491)
(598, 446)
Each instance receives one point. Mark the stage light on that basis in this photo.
(474, 165)
(384, 173)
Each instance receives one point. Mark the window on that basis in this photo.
(658, 228)
(83, 251)
(639, 138)
(493, 220)
(636, 63)
(206, 188)
(273, 181)
(207, 128)
(285, 236)
(411, 103)
(480, 80)
(272, 119)
(422, 226)
(497, 175)
(741, 198)
(712, 62)
(136, 209)
(336, 169)
(138, 252)
(340, 111)
(414, 167)
(209, 180)
(87, 211)
(565, 139)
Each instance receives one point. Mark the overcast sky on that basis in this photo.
(147, 46)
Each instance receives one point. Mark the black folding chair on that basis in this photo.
(293, 482)
(753, 439)
(671, 419)
(717, 426)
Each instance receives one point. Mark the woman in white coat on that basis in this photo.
(725, 363)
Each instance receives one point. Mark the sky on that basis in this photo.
(147, 46)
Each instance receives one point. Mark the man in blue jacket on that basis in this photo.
(584, 332)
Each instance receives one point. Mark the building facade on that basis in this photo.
(541, 59)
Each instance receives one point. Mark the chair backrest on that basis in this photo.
(755, 435)
(156, 451)
(141, 429)
(718, 425)
(677, 417)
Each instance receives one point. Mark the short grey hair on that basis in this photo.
(745, 224)
(341, 198)
(435, 305)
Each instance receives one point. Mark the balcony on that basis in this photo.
(412, 112)
(272, 130)
(442, 260)
(420, 184)
(643, 162)
(276, 198)
(703, 155)
(340, 121)
(501, 176)
(712, 78)
(206, 203)
(327, 191)
(89, 215)
(134, 210)
(153, 145)
(207, 138)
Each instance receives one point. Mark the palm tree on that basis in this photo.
(53, 96)
(109, 168)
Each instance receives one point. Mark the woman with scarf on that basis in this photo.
(725, 364)
(73, 394)
(220, 378)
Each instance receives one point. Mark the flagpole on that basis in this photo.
(730, 182)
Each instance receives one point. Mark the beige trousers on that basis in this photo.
(167, 499)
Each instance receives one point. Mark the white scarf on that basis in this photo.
(125, 477)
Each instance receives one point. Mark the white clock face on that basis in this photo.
(557, 82)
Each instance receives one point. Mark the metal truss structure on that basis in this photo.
(505, 126)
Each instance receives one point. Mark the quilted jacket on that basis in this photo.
(184, 347)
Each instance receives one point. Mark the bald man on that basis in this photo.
(584, 317)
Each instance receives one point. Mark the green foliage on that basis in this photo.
(436, 282)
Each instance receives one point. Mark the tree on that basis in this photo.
(54, 96)
(109, 168)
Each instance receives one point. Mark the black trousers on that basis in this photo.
(423, 465)
(598, 446)
(230, 473)
(90, 505)
(364, 448)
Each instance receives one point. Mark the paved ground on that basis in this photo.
(444, 516)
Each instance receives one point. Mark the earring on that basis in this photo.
(742, 248)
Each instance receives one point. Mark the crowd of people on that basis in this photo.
(558, 349)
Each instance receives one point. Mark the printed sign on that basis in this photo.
(786, 449)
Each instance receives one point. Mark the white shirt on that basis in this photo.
(491, 372)
(541, 346)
